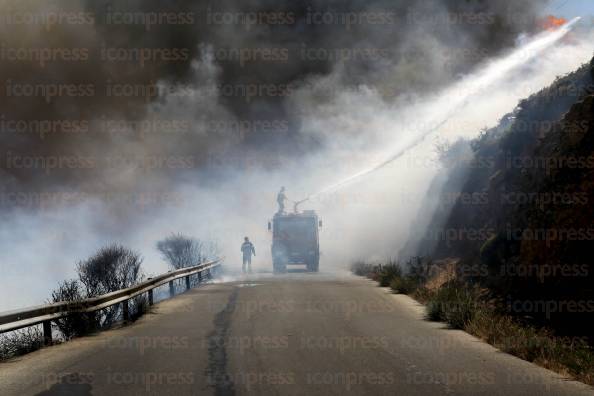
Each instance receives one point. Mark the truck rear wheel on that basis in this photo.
(313, 266)
(279, 267)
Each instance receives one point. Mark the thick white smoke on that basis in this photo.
(370, 217)
(367, 219)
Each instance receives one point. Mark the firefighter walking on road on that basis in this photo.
(247, 248)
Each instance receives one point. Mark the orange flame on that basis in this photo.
(551, 22)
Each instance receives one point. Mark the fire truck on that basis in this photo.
(295, 240)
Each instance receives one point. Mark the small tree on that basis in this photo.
(78, 323)
(112, 268)
(180, 251)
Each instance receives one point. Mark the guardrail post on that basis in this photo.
(47, 332)
(125, 311)
(150, 297)
(200, 277)
(171, 289)
(188, 282)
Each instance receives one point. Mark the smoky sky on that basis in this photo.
(212, 93)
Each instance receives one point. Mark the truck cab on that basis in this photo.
(295, 240)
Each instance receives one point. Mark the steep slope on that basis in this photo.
(523, 224)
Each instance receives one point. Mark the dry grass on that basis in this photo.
(568, 356)
(471, 309)
(441, 272)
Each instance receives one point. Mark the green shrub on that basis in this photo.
(422, 294)
(418, 270)
(434, 311)
(456, 304)
(403, 285)
(388, 272)
(361, 268)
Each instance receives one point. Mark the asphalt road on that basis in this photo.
(298, 334)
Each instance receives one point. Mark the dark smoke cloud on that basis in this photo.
(401, 48)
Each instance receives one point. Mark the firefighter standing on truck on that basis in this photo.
(247, 248)
(280, 199)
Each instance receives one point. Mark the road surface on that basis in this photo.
(297, 334)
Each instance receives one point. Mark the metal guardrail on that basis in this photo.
(20, 318)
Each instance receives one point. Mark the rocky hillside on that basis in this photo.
(519, 214)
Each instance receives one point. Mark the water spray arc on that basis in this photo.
(466, 89)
